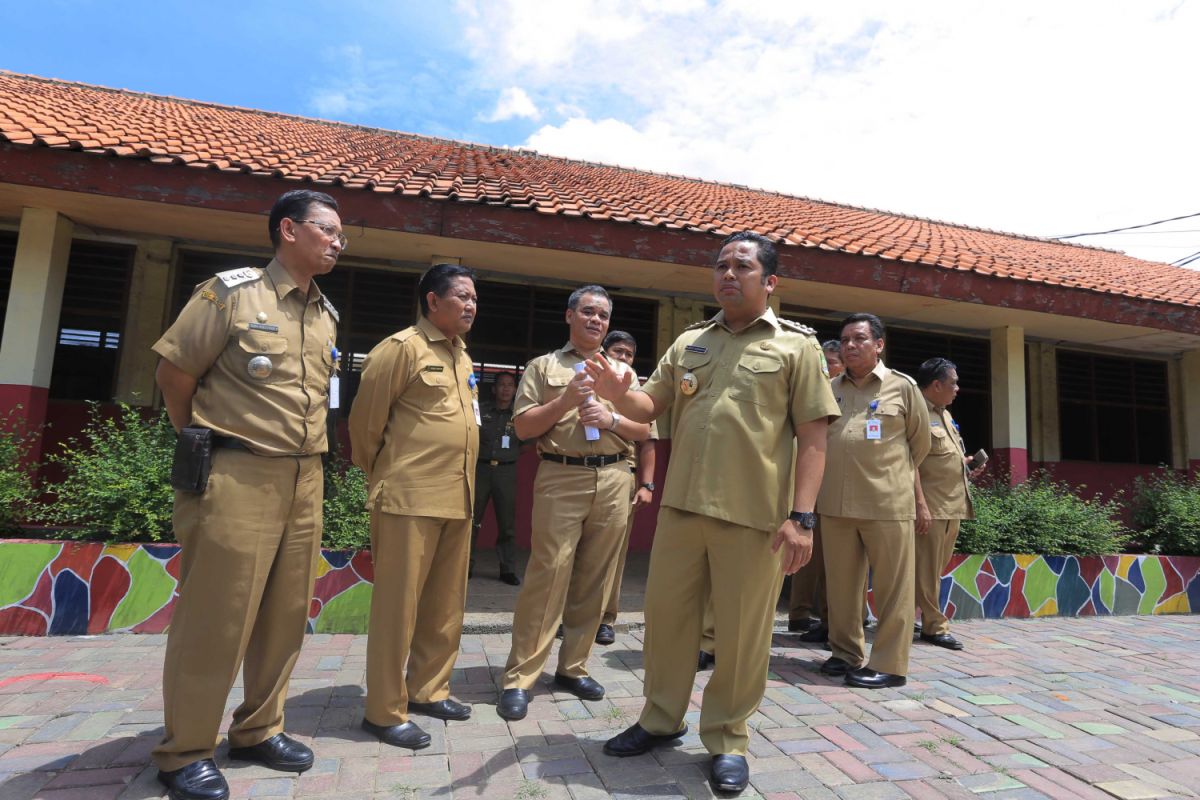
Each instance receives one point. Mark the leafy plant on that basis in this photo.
(1041, 516)
(17, 490)
(117, 478)
(347, 521)
(1166, 512)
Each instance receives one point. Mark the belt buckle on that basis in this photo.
(595, 462)
(493, 463)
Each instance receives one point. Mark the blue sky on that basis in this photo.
(1036, 118)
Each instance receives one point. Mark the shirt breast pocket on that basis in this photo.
(891, 415)
(940, 440)
(757, 379)
(263, 357)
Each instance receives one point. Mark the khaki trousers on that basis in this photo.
(808, 586)
(499, 484)
(695, 558)
(579, 517)
(850, 545)
(613, 604)
(417, 607)
(933, 551)
(249, 549)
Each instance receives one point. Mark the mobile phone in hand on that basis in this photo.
(978, 460)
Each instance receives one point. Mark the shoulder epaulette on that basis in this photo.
(704, 323)
(236, 277)
(908, 378)
(404, 335)
(329, 307)
(796, 326)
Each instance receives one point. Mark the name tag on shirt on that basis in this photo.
(874, 428)
(475, 407)
(504, 442)
(335, 394)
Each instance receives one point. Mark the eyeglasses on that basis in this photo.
(329, 231)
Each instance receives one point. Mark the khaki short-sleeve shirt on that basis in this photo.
(262, 352)
(873, 478)
(732, 449)
(944, 476)
(544, 379)
(413, 429)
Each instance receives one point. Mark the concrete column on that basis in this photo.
(31, 322)
(1008, 403)
(664, 333)
(145, 320)
(1043, 395)
(1189, 379)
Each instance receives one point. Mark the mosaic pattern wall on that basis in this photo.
(57, 588)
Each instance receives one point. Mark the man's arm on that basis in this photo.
(178, 388)
(381, 382)
(533, 422)
(614, 387)
(917, 427)
(598, 416)
(646, 462)
(924, 518)
(811, 438)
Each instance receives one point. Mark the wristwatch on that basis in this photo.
(616, 419)
(807, 519)
(649, 486)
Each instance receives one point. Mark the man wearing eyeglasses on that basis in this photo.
(250, 359)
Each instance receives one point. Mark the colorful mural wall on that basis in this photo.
(73, 588)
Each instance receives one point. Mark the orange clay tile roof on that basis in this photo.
(169, 131)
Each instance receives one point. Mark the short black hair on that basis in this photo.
(768, 256)
(832, 346)
(437, 280)
(874, 322)
(615, 337)
(934, 369)
(295, 205)
(496, 378)
(577, 295)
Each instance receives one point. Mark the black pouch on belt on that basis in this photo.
(193, 460)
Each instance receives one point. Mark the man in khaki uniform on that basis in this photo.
(750, 405)
(580, 506)
(943, 498)
(496, 476)
(414, 430)
(250, 357)
(621, 346)
(807, 609)
(867, 505)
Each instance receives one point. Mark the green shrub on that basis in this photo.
(17, 490)
(117, 486)
(1166, 512)
(1041, 516)
(347, 522)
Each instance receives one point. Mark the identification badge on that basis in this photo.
(475, 407)
(505, 442)
(335, 394)
(874, 428)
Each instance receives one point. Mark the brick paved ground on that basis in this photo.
(1059, 708)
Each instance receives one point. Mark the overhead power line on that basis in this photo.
(1183, 262)
(1129, 228)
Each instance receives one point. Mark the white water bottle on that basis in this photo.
(589, 433)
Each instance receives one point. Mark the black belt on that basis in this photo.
(229, 443)
(491, 462)
(594, 462)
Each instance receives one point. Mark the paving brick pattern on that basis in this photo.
(1050, 708)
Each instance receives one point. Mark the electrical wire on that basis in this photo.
(1129, 228)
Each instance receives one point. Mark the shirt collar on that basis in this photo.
(879, 372)
(434, 335)
(767, 316)
(932, 408)
(569, 348)
(285, 284)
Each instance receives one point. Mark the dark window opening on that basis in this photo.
(1113, 409)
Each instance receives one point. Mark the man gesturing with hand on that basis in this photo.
(749, 399)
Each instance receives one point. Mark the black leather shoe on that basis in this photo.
(280, 752)
(802, 625)
(836, 666)
(705, 661)
(514, 704)
(817, 635)
(407, 734)
(729, 774)
(584, 688)
(442, 709)
(870, 679)
(199, 780)
(942, 640)
(510, 578)
(605, 634)
(635, 740)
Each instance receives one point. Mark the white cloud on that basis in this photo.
(1025, 116)
(513, 103)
